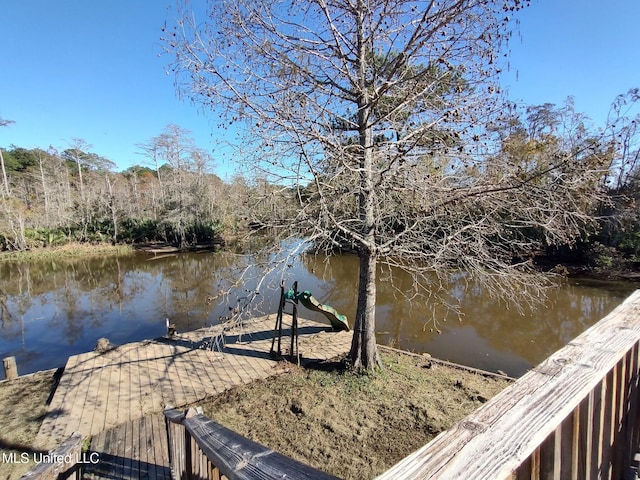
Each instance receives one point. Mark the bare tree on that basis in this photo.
(77, 153)
(5, 180)
(374, 111)
(151, 150)
(624, 131)
(187, 189)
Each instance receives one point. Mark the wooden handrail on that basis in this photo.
(575, 416)
(201, 448)
(63, 462)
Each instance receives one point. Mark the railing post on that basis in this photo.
(183, 448)
(633, 418)
(175, 428)
(188, 468)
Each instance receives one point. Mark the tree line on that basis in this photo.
(52, 197)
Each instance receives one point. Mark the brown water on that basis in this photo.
(51, 309)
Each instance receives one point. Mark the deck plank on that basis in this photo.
(205, 368)
(49, 434)
(160, 361)
(99, 444)
(121, 451)
(144, 379)
(235, 365)
(178, 393)
(91, 401)
(97, 400)
(161, 448)
(135, 449)
(184, 359)
(123, 385)
(135, 391)
(231, 370)
(109, 390)
(147, 462)
(134, 444)
(208, 362)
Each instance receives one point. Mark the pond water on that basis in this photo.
(51, 309)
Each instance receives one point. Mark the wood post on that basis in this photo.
(10, 368)
(293, 351)
(277, 330)
(171, 329)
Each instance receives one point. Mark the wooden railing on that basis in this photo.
(65, 462)
(200, 448)
(575, 416)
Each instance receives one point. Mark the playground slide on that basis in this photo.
(338, 322)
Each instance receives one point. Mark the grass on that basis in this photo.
(22, 408)
(349, 425)
(68, 250)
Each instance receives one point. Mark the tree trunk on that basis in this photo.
(81, 183)
(112, 209)
(4, 176)
(155, 160)
(44, 189)
(83, 207)
(364, 351)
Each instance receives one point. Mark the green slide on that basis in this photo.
(338, 322)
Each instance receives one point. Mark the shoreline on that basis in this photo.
(550, 265)
(75, 249)
(68, 250)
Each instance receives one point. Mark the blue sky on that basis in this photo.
(91, 69)
(585, 48)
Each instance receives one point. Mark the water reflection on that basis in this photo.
(486, 333)
(50, 309)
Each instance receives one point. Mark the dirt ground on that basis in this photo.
(22, 407)
(351, 426)
(354, 426)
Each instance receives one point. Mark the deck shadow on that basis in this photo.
(116, 467)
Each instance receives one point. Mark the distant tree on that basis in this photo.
(185, 182)
(139, 171)
(76, 154)
(617, 245)
(85, 163)
(624, 131)
(376, 111)
(176, 145)
(6, 192)
(20, 159)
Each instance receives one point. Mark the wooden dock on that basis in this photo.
(98, 392)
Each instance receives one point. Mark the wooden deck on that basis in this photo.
(132, 450)
(98, 392)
